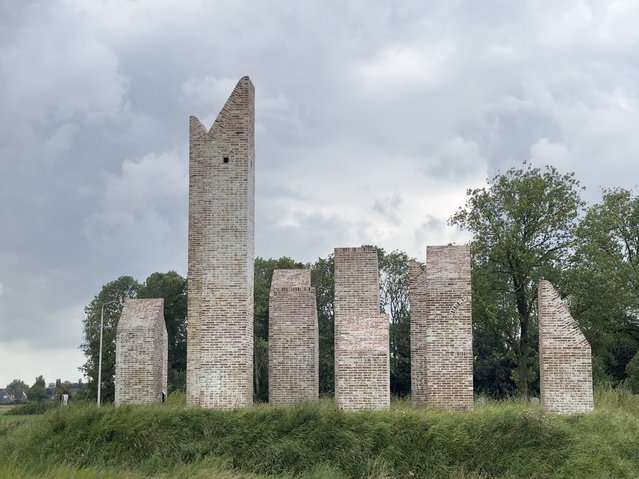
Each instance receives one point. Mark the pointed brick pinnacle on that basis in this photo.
(240, 104)
(196, 128)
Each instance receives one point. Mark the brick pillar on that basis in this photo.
(221, 255)
(441, 329)
(565, 361)
(141, 353)
(362, 372)
(293, 338)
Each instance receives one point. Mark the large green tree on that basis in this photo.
(523, 227)
(18, 385)
(395, 294)
(323, 280)
(38, 391)
(172, 288)
(604, 282)
(112, 297)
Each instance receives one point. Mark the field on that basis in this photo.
(508, 439)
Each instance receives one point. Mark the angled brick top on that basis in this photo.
(291, 278)
(141, 313)
(556, 319)
(235, 120)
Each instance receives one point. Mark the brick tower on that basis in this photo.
(362, 370)
(221, 255)
(565, 362)
(293, 338)
(141, 353)
(441, 329)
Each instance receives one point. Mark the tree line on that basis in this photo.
(527, 224)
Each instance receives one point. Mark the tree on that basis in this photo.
(112, 296)
(395, 295)
(173, 289)
(523, 227)
(263, 276)
(604, 282)
(323, 280)
(38, 392)
(17, 385)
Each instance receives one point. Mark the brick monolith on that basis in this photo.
(221, 255)
(141, 353)
(565, 361)
(362, 374)
(293, 338)
(441, 329)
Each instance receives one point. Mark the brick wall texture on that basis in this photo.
(221, 255)
(293, 348)
(441, 329)
(564, 356)
(141, 353)
(362, 374)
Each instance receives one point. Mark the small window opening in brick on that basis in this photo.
(226, 159)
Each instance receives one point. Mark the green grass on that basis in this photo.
(5, 408)
(510, 439)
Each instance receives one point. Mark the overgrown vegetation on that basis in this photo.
(498, 439)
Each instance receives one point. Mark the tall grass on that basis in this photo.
(506, 439)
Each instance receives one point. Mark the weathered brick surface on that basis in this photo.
(221, 255)
(293, 348)
(362, 374)
(441, 329)
(141, 353)
(564, 356)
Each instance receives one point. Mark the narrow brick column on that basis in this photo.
(221, 255)
(565, 361)
(293, 338)
(441, 329)
(362, 373)
(141, 353)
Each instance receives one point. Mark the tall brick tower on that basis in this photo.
(221, 255)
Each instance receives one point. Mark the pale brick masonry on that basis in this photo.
(441, 329)
(565, 361)
(141, 353)
(293, 347)
(362, 374)
(221, 255)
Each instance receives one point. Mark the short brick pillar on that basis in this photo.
(293, 338)
(362, 371)
(141, 353)
(565, 361)
(441, 329)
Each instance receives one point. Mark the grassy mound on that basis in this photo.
(317, 440)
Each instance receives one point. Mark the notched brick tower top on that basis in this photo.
(293, 338)
(441, 329)
(221, 239)
(141, 352)
(565, 361)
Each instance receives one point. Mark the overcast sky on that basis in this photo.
(373, 118)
